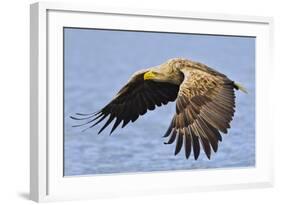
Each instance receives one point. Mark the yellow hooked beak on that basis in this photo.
(149, 75)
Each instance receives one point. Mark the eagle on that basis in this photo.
(205, 104)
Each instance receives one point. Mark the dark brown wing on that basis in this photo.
(204, 108)
(133, 100)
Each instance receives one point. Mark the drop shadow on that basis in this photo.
(24, 195)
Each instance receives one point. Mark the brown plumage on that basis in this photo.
(205, 103)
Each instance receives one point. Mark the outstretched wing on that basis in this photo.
(133, 100)
(205, 105)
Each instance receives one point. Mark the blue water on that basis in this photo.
(97, 63)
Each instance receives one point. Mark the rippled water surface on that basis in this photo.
(97, 63)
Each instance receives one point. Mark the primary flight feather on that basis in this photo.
(205, 103)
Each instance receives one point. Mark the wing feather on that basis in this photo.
(204, 108)
(133, 100)
(173, 137)
(187, 143)
(179, 141)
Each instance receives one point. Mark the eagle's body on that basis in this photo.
(205, 103)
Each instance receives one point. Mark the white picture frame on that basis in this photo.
(46, 145)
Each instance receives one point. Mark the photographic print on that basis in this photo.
(141, 101)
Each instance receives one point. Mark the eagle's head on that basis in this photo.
(167, 72)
